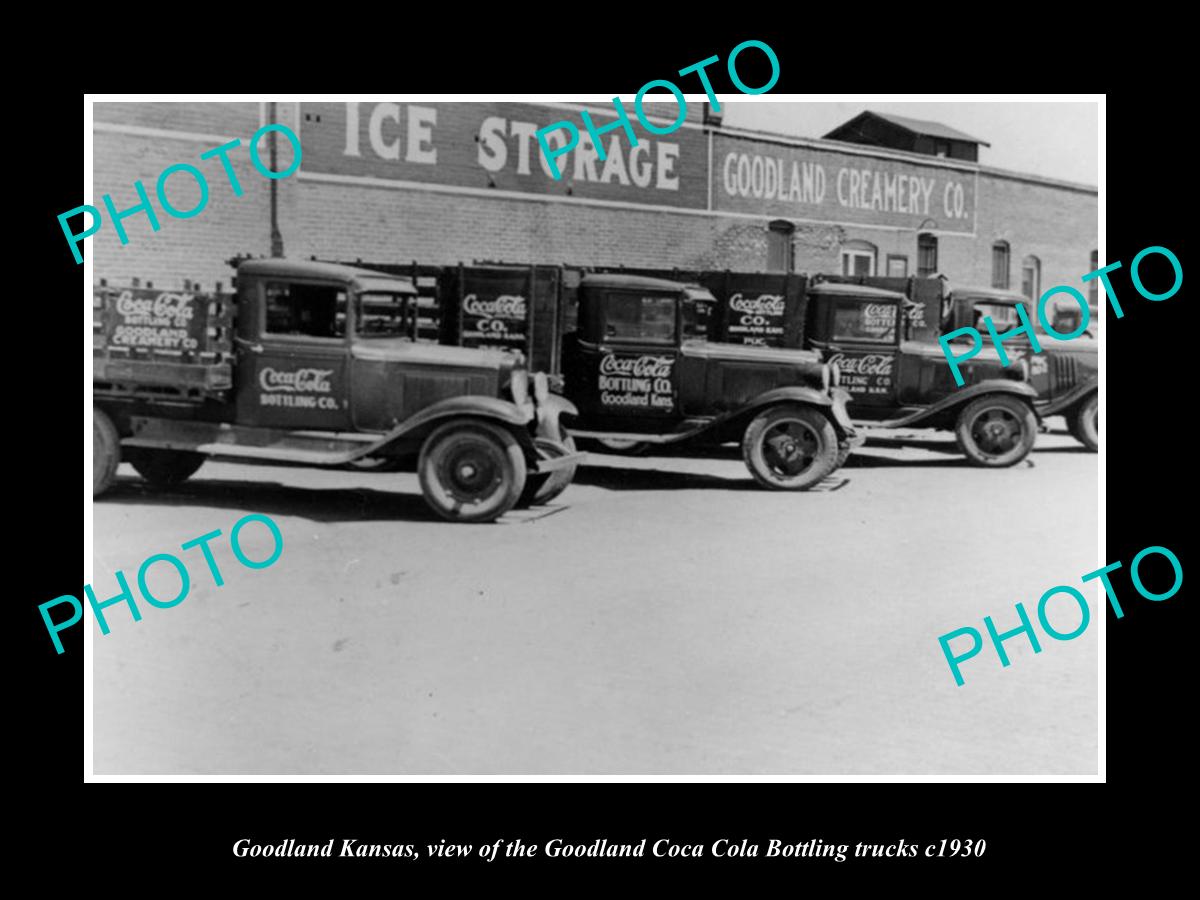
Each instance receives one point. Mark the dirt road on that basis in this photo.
(665, 616)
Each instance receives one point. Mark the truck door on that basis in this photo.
(624, 375)
(864, 340)
(293, 355)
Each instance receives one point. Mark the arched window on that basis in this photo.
(779, 246)
(927, 262)
(858, 258)
(1000, 264)
(1031, 277)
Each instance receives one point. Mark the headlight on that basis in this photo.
(519, 385)
(541, 387)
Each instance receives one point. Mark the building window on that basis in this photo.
(1031, 277)
(927, 261)
(941, 148)
(897, 266)
(858, 258)
(1093, 285)
(1000, 256)
(779, 246)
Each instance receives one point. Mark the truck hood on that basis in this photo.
(746, 353)
(409, 352)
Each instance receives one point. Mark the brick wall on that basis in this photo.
(349, 221)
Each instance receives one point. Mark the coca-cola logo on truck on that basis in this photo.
(638, 366)
(173, 306)
(762, 305)
(870, 364)
(505, 306)
(298, 381)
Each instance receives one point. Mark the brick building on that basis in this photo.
(441, 183)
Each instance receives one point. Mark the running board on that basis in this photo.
(317, 448)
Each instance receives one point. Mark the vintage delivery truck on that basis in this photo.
(316, 364)
(1065, 373)
(898, 382)
(640, 371)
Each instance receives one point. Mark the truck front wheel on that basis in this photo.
(164, 468)
(106, 451)
(790, 448)
(541, 489)
(996, 431)
(1084, 422)
(471, 471)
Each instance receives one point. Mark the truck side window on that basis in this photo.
(640, 318)
(311, 310)
(863, 320)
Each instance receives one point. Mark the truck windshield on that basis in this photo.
(384, 314)
(864, 320)
(1004, 317)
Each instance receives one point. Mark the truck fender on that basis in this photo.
(734, 422)
(517, 418)
(1069, 399)
(549, 415)
(966, 395)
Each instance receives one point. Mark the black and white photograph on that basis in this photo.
(748, 435)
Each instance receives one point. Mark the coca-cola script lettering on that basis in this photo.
(870, 373)
(762, 305)
(506, 306)
(637, 382)
(306, 381)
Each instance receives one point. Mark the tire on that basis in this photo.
(541, 489)
(996, 431)
(164, 468)
(789, 447)
(1085, 422)
(471, 471)
(106, 451)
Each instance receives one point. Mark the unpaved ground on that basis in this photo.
(666, 616)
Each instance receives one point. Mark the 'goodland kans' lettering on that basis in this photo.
(185, 581)
(144, 206)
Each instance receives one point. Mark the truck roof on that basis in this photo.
(853, 290)
(361, 279)
(633, 282)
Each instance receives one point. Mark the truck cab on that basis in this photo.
(894, 381)
(1065, 373)
(640, 369)
(320, 366)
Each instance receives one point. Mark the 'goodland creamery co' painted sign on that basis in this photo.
(768, 178)
(491, 147)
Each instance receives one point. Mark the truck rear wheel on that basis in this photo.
(106, 451)
(164, 468)
(996, 431)
(471, 471)
(790, 448)
(1084, 422)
